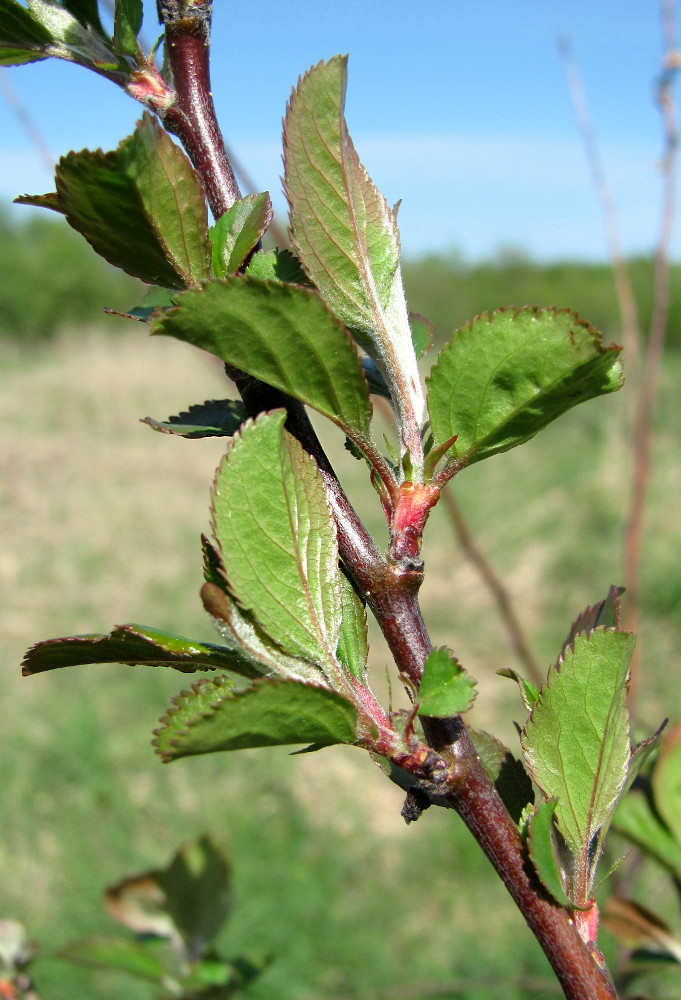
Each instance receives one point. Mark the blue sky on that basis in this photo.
(459, 109)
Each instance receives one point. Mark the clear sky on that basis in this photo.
(460, 109)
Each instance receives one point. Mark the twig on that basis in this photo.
(643, 424)
(24, 117)
(495, 585)
(391, 590)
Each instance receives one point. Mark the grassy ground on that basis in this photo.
(100, 520)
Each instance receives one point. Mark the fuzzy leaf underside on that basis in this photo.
(445, 689)
(342, 229)
(353, 643)
(214, 418)
(212, 717)
(503, 377)
(238, 231)
(540, 846)
(149, 182)
(278, 539)
(134, 645)
(284, 336)
(576, 741)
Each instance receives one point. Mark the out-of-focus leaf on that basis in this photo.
(278, 539)
(421, 334)
(127, 23)
(637, 820)
(540, 845)
(197, 893)
(137, 958)
(666, 781)
(445, 689)
(282, 335)
(87, 13)
(214, 418)
(576, 741)
(139, 904)
(504, 377)
(212, 717)
(342, 229)
(133, 645)
(238, 231)
(508, 774)
(635, 925)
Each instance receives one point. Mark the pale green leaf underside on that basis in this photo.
(282, 335)
(212, 717)
(576, 742)
(130, 644)
(278, 539)
(504, 377)
(353, 643)
(445, 689)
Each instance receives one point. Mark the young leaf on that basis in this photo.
(605, 614)
(445, 689)
(211, 717)
(281, 334)
(127, 24)
(504, 377)
(528, 692)
(238, 231)
(133, 645)
(276, 265)
(540, 845)
(508, 774)
(278, 539)
(576, 741)
(353, 644)
(214, 418)
(421, 334)
(22, 38)
(342, 229)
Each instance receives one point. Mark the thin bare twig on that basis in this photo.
(25, 119)
(643, 424)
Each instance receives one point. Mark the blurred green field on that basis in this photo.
(100, 519)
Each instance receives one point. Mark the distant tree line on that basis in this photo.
(51, 280)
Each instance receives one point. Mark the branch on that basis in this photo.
(391, 588)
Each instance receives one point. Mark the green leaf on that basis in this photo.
(504, 377)
(421, 334)
(353, 643)
(528, 692)
(10, 56)
(637, 819)
(282, 335)
(127, 24)
(214, 418)
(508, 774)
(605, 614)
(666, 781)
(342, 229)
(238, 232)
(72, 37)
(197, 893)
(149, 182)
(276, 265)
(278, 539)
(132, 645)
(86, 12)
(540, 845)
(445, 689)
(137, 958)
(211, 717)
(576, 742)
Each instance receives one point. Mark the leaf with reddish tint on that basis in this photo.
(636, 926)
(605, 614)
(238, 232)
(133, 645)
(214, 418)
(212, 717)
(503, 377)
